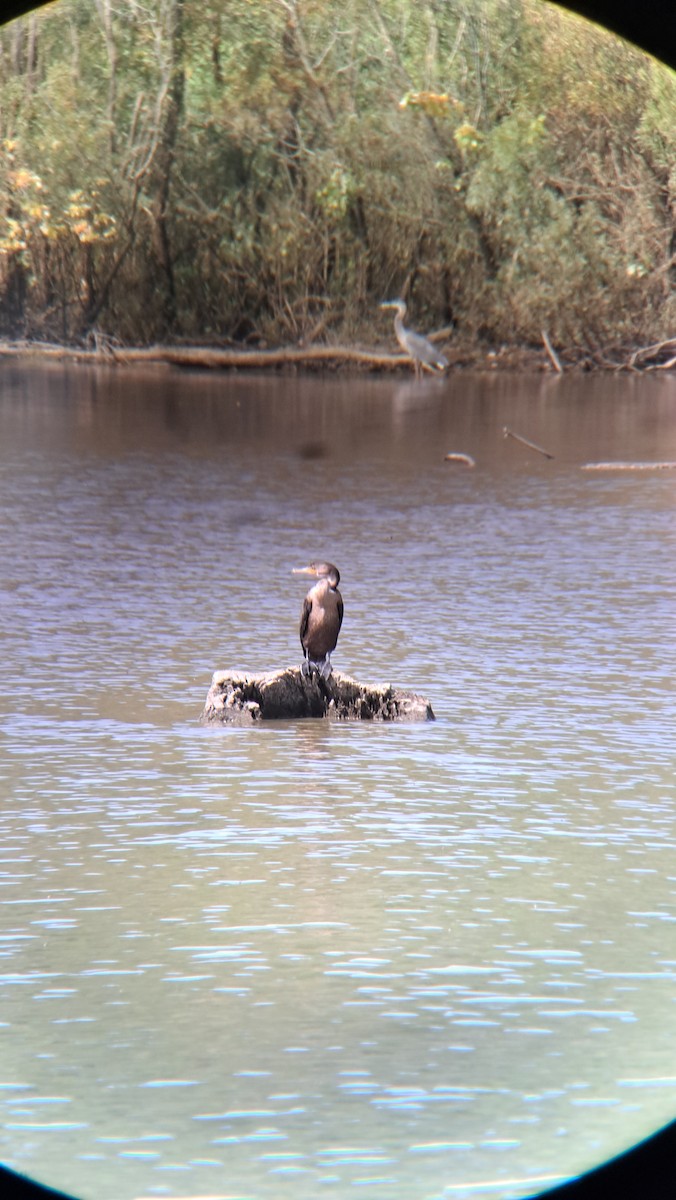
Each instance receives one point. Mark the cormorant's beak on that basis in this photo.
(304, 571)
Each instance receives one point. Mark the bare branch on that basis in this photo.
(556, 363)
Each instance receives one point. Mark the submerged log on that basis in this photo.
(629, 466)
(241, 699)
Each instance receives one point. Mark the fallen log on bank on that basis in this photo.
(238, 698)
(109, 353)
(661, 356)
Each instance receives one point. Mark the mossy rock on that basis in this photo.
(238, 698)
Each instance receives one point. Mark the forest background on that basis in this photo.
(267, 171)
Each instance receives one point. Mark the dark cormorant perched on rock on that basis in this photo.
(321, 617)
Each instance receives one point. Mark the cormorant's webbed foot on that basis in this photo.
(321, 668)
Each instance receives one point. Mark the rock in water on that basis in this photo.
(240, 699)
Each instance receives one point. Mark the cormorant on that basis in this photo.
(321, 617)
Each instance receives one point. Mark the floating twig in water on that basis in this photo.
(629, 466)
(555, 361)
(524, 442)
(460, 458)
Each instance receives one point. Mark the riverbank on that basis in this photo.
(461, 356)
(267, 179)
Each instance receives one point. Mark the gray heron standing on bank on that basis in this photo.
(321, 617)
(419, 349)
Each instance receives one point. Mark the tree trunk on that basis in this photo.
(170, 116)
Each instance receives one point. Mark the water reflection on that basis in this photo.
(433, 961)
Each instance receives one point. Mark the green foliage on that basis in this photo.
(272, 169)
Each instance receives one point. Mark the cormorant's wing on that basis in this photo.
(340, 613)
(304, 619)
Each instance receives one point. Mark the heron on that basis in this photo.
(321, 617)
(419, 349)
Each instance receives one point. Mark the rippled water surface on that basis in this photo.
(311, 959)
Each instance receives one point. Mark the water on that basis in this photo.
(301, 959)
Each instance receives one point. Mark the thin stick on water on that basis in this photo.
(525, 442)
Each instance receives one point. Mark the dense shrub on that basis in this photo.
(267, 170)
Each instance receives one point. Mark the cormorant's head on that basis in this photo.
(320, 570)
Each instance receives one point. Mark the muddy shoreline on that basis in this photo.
(333, 359)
